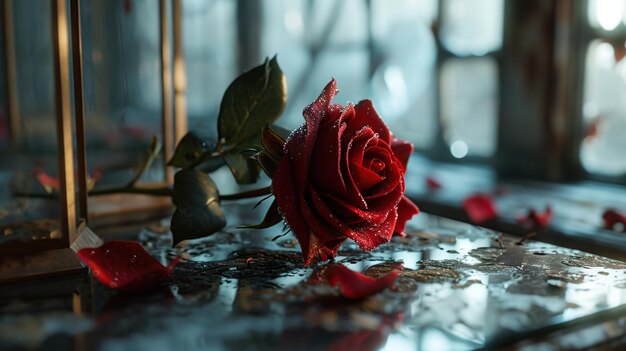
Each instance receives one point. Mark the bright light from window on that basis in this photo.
(394, 79)
(293, 22)
(459, 149)
(607, 13)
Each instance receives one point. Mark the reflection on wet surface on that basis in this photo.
(461, 288)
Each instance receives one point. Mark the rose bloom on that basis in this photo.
(342, 176)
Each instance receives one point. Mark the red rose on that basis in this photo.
(342, 176)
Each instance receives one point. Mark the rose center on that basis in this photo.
(375, 165)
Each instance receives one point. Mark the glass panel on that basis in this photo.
(209, 38)
(32, 169)
(604, 111)
(469, 98)
(472, 27)
(122, 86)
(606, 14)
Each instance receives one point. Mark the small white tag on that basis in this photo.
(86, 238)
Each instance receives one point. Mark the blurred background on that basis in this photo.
(434, 69)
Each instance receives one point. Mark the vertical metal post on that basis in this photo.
(11, 72)
(64, 119)
(79, 111)
(249, 24)
(180, 81)
(166, 76)
(525, 138)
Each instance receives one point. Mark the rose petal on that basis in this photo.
(300, 217)
(480, 208)
(125, 265)
(48, 181)
(364, 178)
(402, 149)
(284, 190)
(432, 183)
(612, 217)
(370, 235)
(535, 219)
(406, 210)
(325, 212)
(354, 285)
(378, 208)
(302, 140)
(324, 241)
(326, 165)
(366, 115)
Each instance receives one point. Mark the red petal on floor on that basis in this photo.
(354, 285)
(535, 219)
(611, 218)
(125, 265)
(480, 208)
(432, 183)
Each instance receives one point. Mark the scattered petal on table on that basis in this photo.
(355, 285)
(480, 208)
(125, 265)
(536, 219)
(432, 183)
(612, 217)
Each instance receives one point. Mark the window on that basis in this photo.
(392, 55)
(604, 92)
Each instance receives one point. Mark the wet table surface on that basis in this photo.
(462, 287)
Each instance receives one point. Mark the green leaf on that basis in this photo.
(253, 99)
(272, 217)
(243, 167)
(191, 150)
(198, 212)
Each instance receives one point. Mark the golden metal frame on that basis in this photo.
(180, 80)
(63, 261)
(79, 110)
(62, 83)
(166, 91)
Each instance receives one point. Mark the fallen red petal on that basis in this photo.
(612, 217)
(50, 183)
(47, 180)
(355, 285)
(432, 183)
(535, 219)
(125, 265)
(480, 208)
